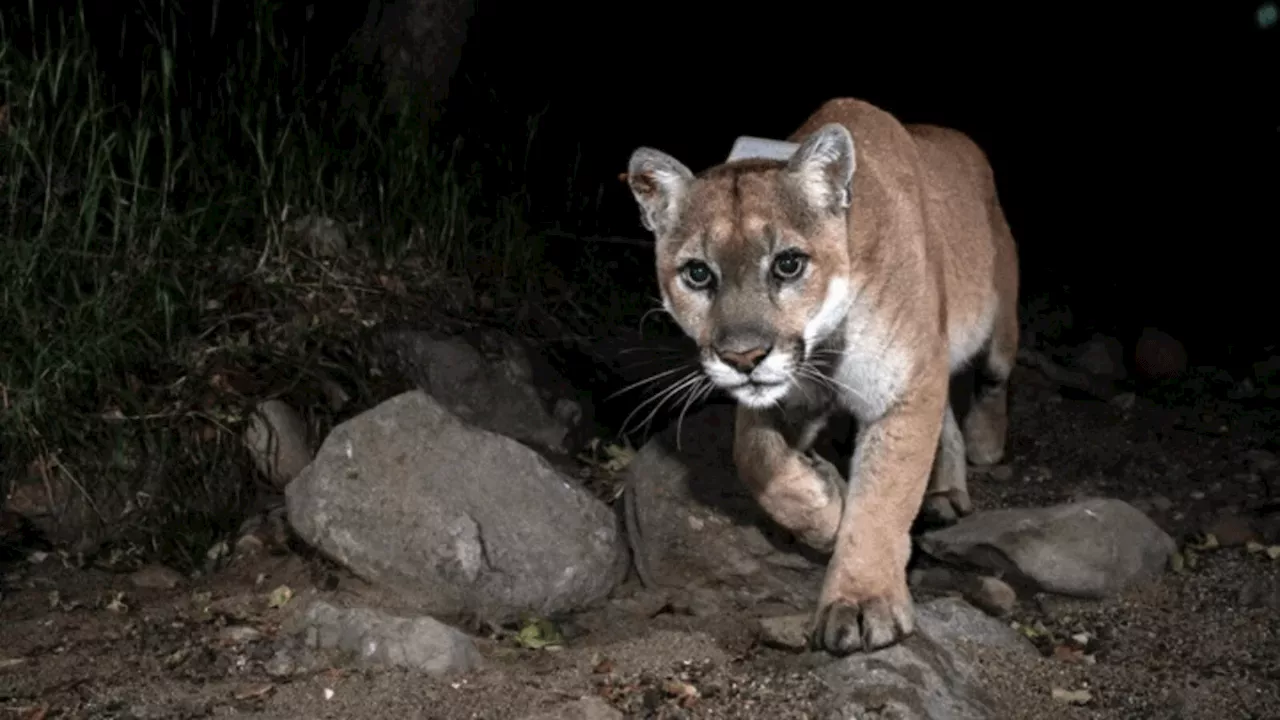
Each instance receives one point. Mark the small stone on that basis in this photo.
(277, 440)
(249, 544)
(1124, 401)
(323, 236)
(156, 577)
(239, 634)
(422, 643)
(281, 664)
(991, 595)
(1072, 697)
(1002, 473)
(787, 632)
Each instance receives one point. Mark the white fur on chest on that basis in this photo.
(872, 372)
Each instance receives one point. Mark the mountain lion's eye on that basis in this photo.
(697, 274)
(788, 266)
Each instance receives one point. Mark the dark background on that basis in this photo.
(1135, 146)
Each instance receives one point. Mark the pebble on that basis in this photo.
(239, 634)
(788, 632)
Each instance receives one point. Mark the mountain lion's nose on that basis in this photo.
(744, 361)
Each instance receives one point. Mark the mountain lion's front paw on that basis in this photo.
(862, 613)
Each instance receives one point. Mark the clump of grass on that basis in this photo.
(151, 290)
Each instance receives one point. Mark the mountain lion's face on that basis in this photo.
(753, 258)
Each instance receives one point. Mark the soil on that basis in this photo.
(1201, 642)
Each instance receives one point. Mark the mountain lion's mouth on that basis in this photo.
(757, 394)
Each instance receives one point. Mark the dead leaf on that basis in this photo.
(604, 667)
(117, 603)
(6, 663)
(539, 633)
(280, 596)
(37, 714)
(1072, 697)
(678, 688)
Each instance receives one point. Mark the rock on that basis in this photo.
(1092, 548)
(494, 390)
(935, 673)
(989, 594)
(322, 236)
(588, 708)
(1125, 400)
(788, 632)
(264, 532)
(1159, 356)
(1102, 356)
(695, 523)
(454, 518)
(277, 440)
(156, 577)
(281, 664)
(239, 634)
(420, 643)
(292, 657)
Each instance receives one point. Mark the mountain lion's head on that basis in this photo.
(753, 258)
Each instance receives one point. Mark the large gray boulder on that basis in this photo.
(1092, 548)
(452, 518)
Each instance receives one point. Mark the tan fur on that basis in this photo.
(911, 273)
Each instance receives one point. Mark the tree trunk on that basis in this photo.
(419, 44)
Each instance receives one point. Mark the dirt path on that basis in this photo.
(1200, 643)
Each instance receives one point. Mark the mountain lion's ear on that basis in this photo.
(823, 168)
(660, 183)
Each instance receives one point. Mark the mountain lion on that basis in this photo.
(858, 275)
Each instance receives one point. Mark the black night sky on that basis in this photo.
(1135, 146)
(1135, 149)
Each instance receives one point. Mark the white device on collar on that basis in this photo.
(754, 147)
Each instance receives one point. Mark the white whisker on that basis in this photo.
(648, 381)
(695, 392)
(660, 398)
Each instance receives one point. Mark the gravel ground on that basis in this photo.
(1200, 642)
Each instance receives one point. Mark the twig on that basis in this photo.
(631, 519)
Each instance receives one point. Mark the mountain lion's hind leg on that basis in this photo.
(802, 496)
(947, 498)
(987, 423)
